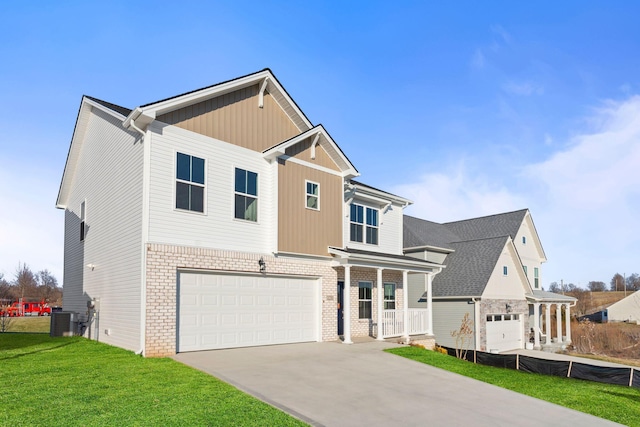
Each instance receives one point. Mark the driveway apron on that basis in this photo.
(333, 384)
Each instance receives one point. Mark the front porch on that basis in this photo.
(542, 336)
(373, 296)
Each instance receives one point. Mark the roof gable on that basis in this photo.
(504, 224)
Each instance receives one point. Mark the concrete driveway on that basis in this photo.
(333, 384)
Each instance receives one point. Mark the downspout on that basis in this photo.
(132, 123)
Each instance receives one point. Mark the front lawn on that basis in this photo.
(74, 381)
(616, 403)
(27, 324)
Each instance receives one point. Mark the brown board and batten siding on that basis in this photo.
(302, 230)
(302, 151)
(236, 118)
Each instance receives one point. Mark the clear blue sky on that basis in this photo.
(468, 109)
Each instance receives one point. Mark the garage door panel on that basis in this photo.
(224, 311)
(504, 332)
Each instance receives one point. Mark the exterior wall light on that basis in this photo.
(263, 265)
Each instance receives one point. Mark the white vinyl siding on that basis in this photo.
(217, 228)
(109, 177)
(447, 317)
(389, 228)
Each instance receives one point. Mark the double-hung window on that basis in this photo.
(363, 224)
(364, 300)
(246, 195)
(189, 183)
(536, 278)
(313, 195)
(389, 296)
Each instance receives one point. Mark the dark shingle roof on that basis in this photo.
(477, 245)
(504, 224)
(420, 232)
(118, 109)
(468, 268)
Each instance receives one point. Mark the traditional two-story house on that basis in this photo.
(224, 218)
(493, 277)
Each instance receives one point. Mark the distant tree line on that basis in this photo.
(617, 283)
(30, 286)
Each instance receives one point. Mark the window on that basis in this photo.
(313, 195)
(364, 300)
(83, 228)
(189, 183)
(246, 195)
(389, 296)
(504, 270)
(358, 217)
(525, 270)
(524, 240)
(536, 282)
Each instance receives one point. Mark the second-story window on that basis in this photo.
(246, 195)
(189, 183)
(536, 278)
(364, 224)
(313, 195)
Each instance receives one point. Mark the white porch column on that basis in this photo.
(567, 324)
(559, 322)
(547, 321)
(405, 303)
(380, 335)
(346, 301)
(430, 303)
(536, 325)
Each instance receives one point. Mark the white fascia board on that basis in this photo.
(370, 192)
(103, 108)
(380, 260)
(537, 241)
(518, 262)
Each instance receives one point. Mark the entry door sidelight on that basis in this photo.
(340, 313)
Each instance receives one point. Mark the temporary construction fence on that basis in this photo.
(560, 368)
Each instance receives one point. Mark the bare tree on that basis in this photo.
(596, 286)
(48, 289)
(555, 288)
(25, 282)
(633, 282)
(617, 282)
(463, 337)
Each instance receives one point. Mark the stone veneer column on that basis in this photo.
(346, 301)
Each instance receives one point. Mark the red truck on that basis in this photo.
(18, 309)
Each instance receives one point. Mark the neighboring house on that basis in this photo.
(493, 275)
(224, 218)
(625, 310)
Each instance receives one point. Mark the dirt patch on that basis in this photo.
(617, 340)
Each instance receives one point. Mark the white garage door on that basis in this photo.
(504, 332)
(225, 311)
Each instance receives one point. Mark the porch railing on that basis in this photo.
(393, 322)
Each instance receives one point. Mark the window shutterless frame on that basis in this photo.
(364, 300)
(190, 183)
(312, 195)
(245, 195)
(363, 224)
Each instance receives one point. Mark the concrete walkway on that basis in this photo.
(334, 384)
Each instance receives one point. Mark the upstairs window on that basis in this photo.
(364, 224)
(536, 279)
(525, 270)
(313, 195)
(83, 213)
(189, 183)
(505, 270)
(246, 195)
(524, 240)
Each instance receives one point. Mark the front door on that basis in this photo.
(340, 314)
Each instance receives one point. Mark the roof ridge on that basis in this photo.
(486, 216)
(481, 239)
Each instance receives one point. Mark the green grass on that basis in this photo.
(616, 403)
(28, 324)
(77, 382)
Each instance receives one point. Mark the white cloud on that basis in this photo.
(523, 89)
(585, 199)
(30, 226)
